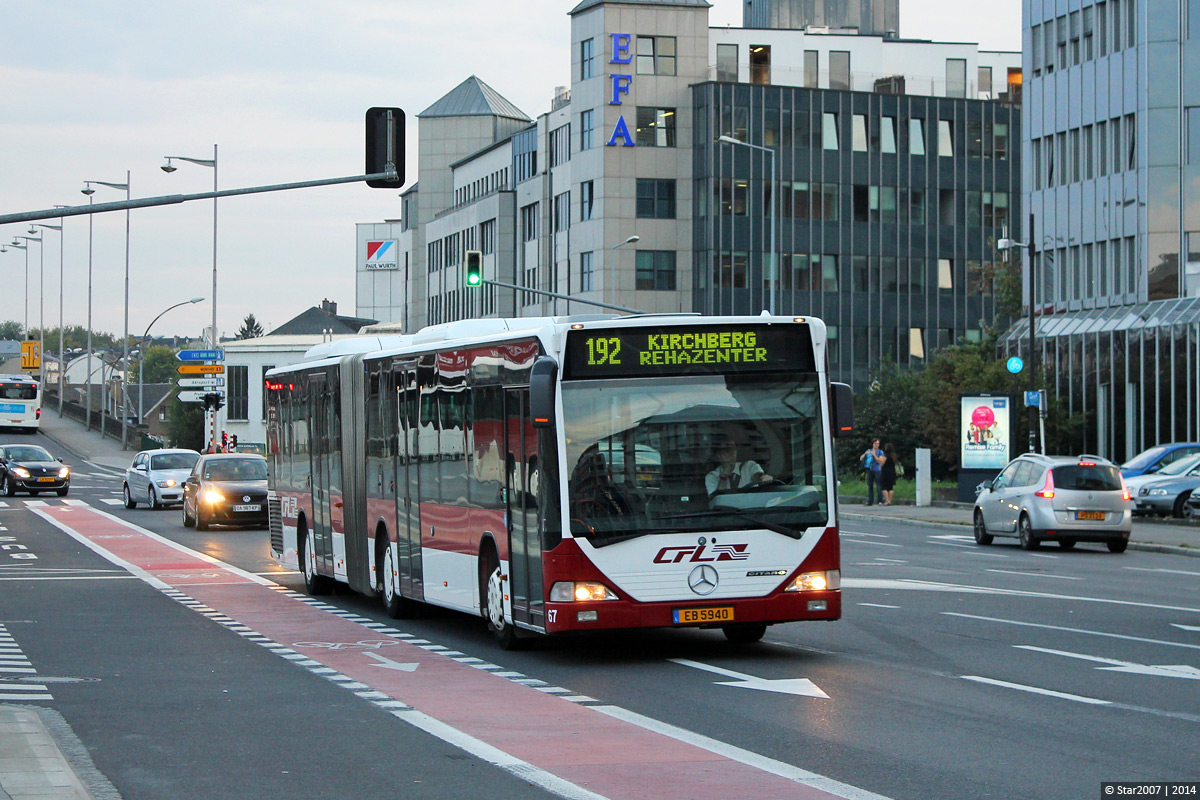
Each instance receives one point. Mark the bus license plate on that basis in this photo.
(46, 480)
(247, 508)
(1099, 515)
(691, 616)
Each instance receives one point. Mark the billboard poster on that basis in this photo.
(986, 431)
(382, 255)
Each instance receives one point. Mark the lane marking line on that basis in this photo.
(1043, 626)
(1035, 690)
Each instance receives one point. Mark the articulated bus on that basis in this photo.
(20, 402)
(567, 474)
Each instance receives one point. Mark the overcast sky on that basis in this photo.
(91, 90)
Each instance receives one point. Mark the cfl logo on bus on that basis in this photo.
(289, 507)
(697, 553)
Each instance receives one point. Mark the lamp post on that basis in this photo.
(142, 351)
(727, 139)
(613, 269)
(41, 288)
(89, 191)
(18, 246)
(125, 334)
(206, 162)
(42, 306)
(1029, 246)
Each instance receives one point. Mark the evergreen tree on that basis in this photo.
(250, 328)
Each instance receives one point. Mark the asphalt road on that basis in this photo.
(956, 672)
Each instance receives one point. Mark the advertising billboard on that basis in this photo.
(986, 432)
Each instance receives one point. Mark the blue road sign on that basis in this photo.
(201, 355)
(1015, 365)
(1033, 399)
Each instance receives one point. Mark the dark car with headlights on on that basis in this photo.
(31, 468)
(226, 489)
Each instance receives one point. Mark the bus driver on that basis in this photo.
(732, 474)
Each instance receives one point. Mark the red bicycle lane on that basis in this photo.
(579, 745)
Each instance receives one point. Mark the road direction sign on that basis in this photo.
(200, 369)
(196, 397)
(201, 355)
(31, 356)
(200, 383)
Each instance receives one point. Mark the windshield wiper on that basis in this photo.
(771, 526)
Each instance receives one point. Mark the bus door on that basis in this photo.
(521, 493)
(323, 437)
(408, 482)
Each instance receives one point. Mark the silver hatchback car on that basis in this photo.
(156, 477)
(1063, 499)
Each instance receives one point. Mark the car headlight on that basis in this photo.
(1157, 492)
(20, 472)
(580, 592)
(213, 496)
(167, 484)
(826, 580)
(64, 472)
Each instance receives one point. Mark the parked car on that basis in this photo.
(1158, 457)
(226, 489)
(1178, 467)
(156, 477)
(1064, 499)
(1167, 495)
(31, 468)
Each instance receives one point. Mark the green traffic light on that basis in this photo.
(473, 280)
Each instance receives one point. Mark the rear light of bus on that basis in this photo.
(825, 580)
(1047, 490)
(580, 592)
(37, 414)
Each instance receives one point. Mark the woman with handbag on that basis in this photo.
(887, 475)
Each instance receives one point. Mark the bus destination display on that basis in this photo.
(692, 350)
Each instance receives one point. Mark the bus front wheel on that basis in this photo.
(492, 594)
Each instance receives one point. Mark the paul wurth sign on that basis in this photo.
(382, 255)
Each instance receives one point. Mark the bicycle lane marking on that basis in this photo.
(570, 749)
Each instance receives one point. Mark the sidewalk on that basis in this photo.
(1165, 536)
(88, 445)
(33, 765)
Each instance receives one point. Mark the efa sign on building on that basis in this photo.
(622, 54)
(383, 255)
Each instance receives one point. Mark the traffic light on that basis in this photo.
(212, 402)
(385, 146)
(232, 442)
(224, 442)
(474, 268)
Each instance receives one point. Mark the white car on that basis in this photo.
(156, 477)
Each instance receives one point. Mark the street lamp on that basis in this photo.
(1031, 247)
(142, 351)
(727, 139)
(613, 268)
(59, 228)
(206, 162)
(18, 246)
(125, 336)
(41, 288)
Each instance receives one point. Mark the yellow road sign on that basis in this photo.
(31, 356)
(200, 369)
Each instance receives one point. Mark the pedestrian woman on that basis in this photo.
(887, 475)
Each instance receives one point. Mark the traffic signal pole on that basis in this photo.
(559, 296)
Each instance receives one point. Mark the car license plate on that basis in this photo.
(46, 480)
(1098, 515)
(247, 508)
(690, 616)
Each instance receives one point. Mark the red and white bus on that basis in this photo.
(558, 475)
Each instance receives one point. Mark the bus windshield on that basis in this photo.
(701, 453)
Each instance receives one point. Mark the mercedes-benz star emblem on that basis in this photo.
(703, 579)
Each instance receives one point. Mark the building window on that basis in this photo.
(587, 200)
(562, 212)
(655, 198)
(945, 139)
(839, 69)
(730, 195)
(587, 272)
(811, 72)
(587, 59)
(760, 64)
(560, 145)
(656, 270)
(487, 237)
(1193, 19)
(238, 404)
(587, 128)
(956, 77)
(945, 275)
(1191, 123)
(829, 131)
(656, 55)
(916, 137)
(732, 269)
(655, 127)
(727, 63)
(887, 134)
(985, 82)
(529, 222)
(858, 133)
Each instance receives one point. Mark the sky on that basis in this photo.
(92, 91)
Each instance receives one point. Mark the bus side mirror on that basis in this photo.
(841, 406)
(543, 380)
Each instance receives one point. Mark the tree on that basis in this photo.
(250, 328)
(10, 329)
(160, 366)
(185, 424)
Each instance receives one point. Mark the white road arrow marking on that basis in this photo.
(1186, 627)
(387, 663)
(1161, 670)
(797, 686)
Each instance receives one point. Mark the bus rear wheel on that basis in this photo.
(396, 605)
(314, 584)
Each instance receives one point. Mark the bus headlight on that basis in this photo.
(213, 496)
(20, 472)
(580, 592)
(825, 580)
